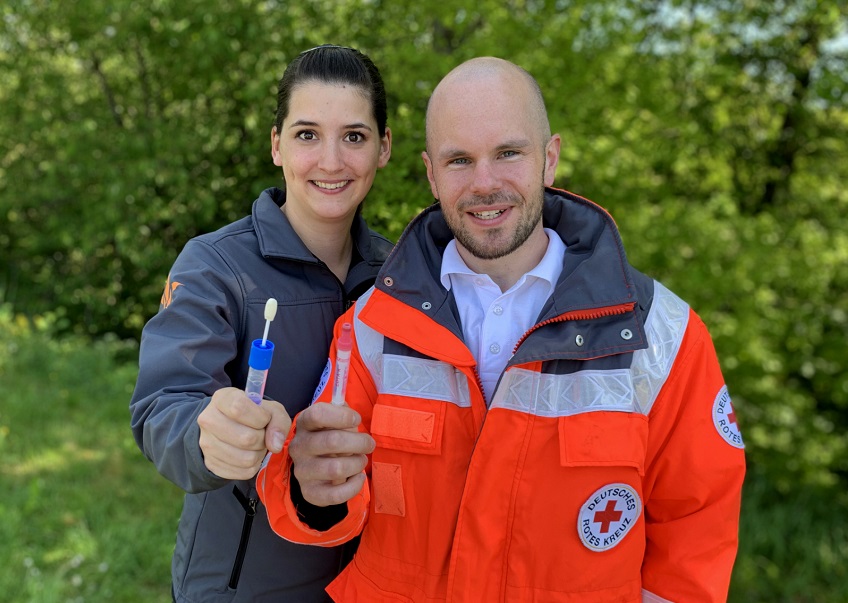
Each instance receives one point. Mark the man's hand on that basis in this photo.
(235, 433)
(329, 454)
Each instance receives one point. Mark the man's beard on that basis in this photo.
(493, 250)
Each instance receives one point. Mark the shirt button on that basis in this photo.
(494, 348)
(497, 310)
(479, 282)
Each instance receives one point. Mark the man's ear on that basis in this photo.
(429, 165)
(552, 158)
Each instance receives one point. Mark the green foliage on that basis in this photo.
(793, 549)
(85, 515)
(715, 132)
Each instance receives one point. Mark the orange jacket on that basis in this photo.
(607, 467)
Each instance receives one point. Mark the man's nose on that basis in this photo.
(485, 179)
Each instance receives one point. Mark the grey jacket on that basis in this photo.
(199, 342)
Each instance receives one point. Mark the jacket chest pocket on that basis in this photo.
(408, 433)
(602, 455)
(604, 439)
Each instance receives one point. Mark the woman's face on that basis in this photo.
(329, 149)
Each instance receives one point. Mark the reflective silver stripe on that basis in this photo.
(369, 341)
(649, 597)
(624, 390)
(665, 328)
(551, 396)
(424, 378)
(406, 376)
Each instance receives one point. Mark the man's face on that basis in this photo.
(488, 163)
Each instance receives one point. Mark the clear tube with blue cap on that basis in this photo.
(261, 354)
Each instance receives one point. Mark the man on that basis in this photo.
(530, 418)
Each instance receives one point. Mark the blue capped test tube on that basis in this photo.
(259, 361)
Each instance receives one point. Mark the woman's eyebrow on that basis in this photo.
(300, 123)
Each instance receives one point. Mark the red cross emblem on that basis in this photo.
(607, 516)
(725, 419)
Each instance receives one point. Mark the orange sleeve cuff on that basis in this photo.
(273, 486)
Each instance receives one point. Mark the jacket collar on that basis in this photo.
(595, 271)
(593, 248)
(277, 238)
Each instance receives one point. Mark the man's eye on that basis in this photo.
(459, 161)
(509, 153)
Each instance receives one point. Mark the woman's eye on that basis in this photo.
(354, 137)
(306, 135)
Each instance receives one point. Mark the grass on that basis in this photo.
(86, 518)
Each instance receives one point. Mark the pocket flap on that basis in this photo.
(604, 438)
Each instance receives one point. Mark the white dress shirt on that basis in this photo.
(494, 321)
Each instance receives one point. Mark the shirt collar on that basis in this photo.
(548, 269)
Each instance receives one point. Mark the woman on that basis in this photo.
(309, 249)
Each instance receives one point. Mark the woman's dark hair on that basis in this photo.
(330, 64)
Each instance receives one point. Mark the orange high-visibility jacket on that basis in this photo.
(607, 467)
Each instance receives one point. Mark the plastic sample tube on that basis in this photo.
(343, 347)
(261, 353)
(259, 363)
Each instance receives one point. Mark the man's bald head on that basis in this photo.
(492, 74)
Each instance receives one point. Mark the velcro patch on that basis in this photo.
(724, 419)
(404, 423)
(388, 489)
(607, 516)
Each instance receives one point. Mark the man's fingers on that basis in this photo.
(323, 494)
(329, 454)
(327, 416)
(329, 443)
(329, 469)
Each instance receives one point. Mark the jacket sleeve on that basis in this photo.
(274, 482)
(693, 482)
(185, 349)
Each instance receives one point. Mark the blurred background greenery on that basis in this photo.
(715, 132)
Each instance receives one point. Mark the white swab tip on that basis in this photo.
(270, 308)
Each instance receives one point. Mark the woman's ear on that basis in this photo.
(275, 147)
(385, 149)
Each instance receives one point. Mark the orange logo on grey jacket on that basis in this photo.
(168, 294)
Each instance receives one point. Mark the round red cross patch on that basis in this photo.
(608, 515)
(724, 419)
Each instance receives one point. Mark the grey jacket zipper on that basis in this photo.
(249, 504)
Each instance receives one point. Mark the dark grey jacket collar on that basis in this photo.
(277, 238)
(593, 248)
